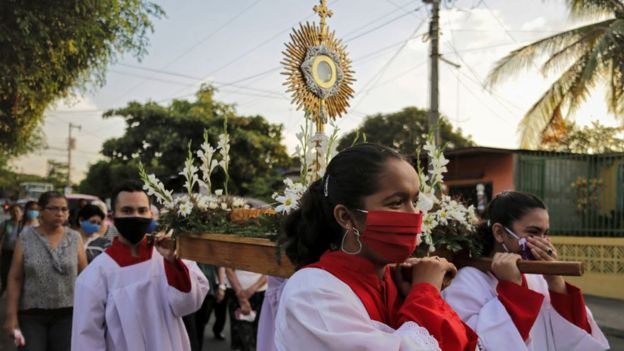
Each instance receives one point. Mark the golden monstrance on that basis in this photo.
(318, 70)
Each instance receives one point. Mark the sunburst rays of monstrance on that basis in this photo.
(318, 70)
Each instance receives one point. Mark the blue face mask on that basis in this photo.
(152, 226)
(89, 228)
(32, 214)
(525, 251)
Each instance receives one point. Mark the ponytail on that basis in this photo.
(311, 229)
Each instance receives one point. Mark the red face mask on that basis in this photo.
(392, 235)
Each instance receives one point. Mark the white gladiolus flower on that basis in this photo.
(425, 202)
(185, 208)
(224, 206)
(208, 164)
(219, 192)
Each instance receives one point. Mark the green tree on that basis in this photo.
(57, 174)
(47, 48)
(104, 175)
(405, 131)
(587, 56)
(158, 137)
(593, 139)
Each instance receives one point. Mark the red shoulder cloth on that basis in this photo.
(379, 297)
(122, 254)
(177, 273)
(424, 304)
(522, 304)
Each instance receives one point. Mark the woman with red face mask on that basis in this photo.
(353, 227)
(515, 312)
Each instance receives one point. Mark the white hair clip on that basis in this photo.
(326, 186)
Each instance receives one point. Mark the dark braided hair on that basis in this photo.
(351, 175)
(506, 208)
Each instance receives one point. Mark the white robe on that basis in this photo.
(317, 311)
(133, 308)
(472, 294)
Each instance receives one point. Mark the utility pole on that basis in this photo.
(71, 144)
(434, 36)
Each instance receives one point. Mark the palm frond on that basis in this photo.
(592, 9)
(615, 88)
(595, 69)
(576, 49)
(525, 56)
(537, 119)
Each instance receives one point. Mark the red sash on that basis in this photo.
(424, 304)
(380, 297)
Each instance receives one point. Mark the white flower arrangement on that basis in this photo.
(203, 201)
(447, 223)
(314, 152)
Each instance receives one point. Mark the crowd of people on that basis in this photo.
(107, 286)
(62, 295)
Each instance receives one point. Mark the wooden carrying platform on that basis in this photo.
(260, 256)
(227, 250)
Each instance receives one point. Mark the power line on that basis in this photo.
(382, 17)
(395, 77)
(346, 41)
(234, 83)
(232, 19)
(382, 70)
(398, 7)
(498, 20)
(382, 25)
(210, 35)
(196, 79)
(474, 95)
(270, 39)
(478, 80)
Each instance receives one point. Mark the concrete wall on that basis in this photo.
(604, 263)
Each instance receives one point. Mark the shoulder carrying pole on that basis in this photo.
(571, 268)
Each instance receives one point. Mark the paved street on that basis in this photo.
(210, 344)
(608, 312)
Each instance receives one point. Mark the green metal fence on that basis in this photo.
(584, 193)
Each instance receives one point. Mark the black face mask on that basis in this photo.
(132, 228)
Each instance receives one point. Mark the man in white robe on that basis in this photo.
(133, 296)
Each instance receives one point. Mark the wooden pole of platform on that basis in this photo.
(567, 268)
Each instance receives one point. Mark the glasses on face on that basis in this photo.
(57, 209)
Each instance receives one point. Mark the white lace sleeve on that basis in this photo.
(419, 335)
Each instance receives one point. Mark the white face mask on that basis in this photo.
(525, 251)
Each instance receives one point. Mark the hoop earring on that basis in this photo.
(357, 238)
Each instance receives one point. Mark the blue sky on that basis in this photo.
(237, 46)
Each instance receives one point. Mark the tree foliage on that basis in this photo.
(158, 136)
(405, 131)
(57, 174)
(585, 57)
(49, 47)
(593, 139)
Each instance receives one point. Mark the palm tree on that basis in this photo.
(590, 55)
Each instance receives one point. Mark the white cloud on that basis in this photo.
(538, 23)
